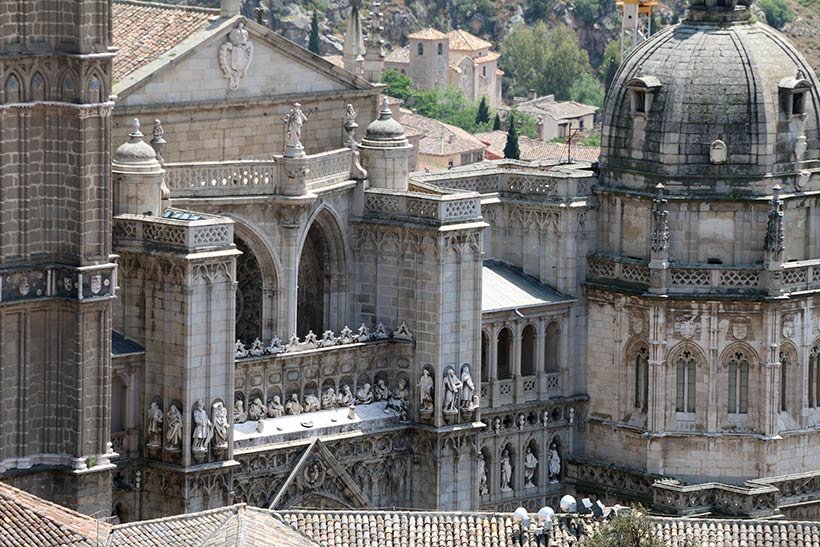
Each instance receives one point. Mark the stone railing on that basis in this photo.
(687, 278)
(119, 443)
(206, 232)
(753, 499)
(442, 209)
(610, 482)
(329, 168)
(801, 276)
(794, 488)
(513, 177)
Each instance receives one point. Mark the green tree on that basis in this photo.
(537, 10)
(778, 13)
(588, 90)
(398, 85)
(314, 44)
(587, 10)
(633, 529)
(511, 149)
(497, 122)
(483, 114)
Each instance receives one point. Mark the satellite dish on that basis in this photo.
(568, 504)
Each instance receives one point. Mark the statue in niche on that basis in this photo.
(452, 389)
(381, 393)
(235, 55)
(530, 468)
(293, 408)
(571, 415)
(425, 391)
(311, 403)
(506, 471)
(257, 410)
(398, 400)
(467, 389)
(345, 397)
(496, 424)
(239, 414)
(483, 488)
(173, 433)
(554, 465)
(329, 398)
(294, 122)
(203, 428)
(154, 426)
(275, 408)
(220, 414)
(364, 396)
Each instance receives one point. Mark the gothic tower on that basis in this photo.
(55, 265)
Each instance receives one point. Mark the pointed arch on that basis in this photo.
(686, 358)
(789, 376)
(737, 361)
(13, 88)
(529, 347)
(552, 347)
(94, 89)
(38, 87)
(813, 366)
(504, 344)
(68, 87)
(636, 357)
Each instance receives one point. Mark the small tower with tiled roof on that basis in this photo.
(429, 58)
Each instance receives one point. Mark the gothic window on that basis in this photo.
(552, 340)
(38, 88)
(12, 89)
(642, 378)
(248, 295)
(441, 49)
(814, 377)
(504, 351)
(528, 351)
(784, 364)
(485, 357)
(69, 89)
(421, 49)
(685, 367)
(94, 90)
(738, 383)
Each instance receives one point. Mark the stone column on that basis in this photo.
(659, 247)
(540, 358)
(518, 386)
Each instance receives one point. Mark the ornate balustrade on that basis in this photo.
(443, 209)
(753, 499)
(329, 168)
(195, 232)
(801, 276)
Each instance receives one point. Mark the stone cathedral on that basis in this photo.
(220, 281)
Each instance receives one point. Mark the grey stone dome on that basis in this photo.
(135, 150)
(717, 93)
(385, 128)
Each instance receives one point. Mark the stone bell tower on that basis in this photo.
(56, 273)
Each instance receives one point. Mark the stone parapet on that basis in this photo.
(426, 208)
(202, 232)
(749, 500)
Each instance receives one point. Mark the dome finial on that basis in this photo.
(385, 113)
(135, 130)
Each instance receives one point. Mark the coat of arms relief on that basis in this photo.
(235, 55)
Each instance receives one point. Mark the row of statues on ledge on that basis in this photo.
(295, 120)
(366, 394)
(205, 431)
(506, 469)
(459, 392)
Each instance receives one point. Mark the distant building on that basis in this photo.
(433, 59)
(556, 118)
(536, 149)
(441, 145)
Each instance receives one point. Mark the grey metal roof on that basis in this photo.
(505, 287)
(120, 345)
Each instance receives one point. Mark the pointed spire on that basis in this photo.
(660, 227)
(353, 51)
(775, 238)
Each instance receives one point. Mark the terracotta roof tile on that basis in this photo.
(461, 40)
(535, 149)
(398, 55)
(439, 138)
(428, 34)
(145, 30)
(556, 110)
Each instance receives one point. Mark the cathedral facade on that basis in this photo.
(250, 298)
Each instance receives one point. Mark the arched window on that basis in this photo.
(642, 378)
(94, 90)
(685, 367)
(552, 341)
(484, 71)
(814, 377)
(784, 364)
(528, 350)
(12, 89)
(441, 49)
(485, 357)
(738, 383)
(421, 49)
(69, 89)
(503, 361)
(38, 88)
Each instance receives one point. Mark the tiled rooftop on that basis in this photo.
(439, 138)
(145, 30)
(536, 149)
(557, 110)
(461, 40)
(428, 34)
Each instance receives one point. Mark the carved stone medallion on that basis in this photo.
(687, 325)
(718, 152)
(235, 55)
(788, 328)
(740, 329)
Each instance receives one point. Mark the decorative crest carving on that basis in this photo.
(235, 55)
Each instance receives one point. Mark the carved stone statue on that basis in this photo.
(506, 471)
(530, 468)
(154, 426)
(220, 415)
(311, 403)
(350, 126)
(398, 400)
(294, 122)
(452, 388)
(235, 55)
(483, 487)
(467, 389)
(275, 408)
(293, 407)
(329, 398)
(571, 415)
(345, 397)
(554, 465)
(239, 414)
(203, 428)
(425, 391)
(381, 393)
(173, 431)
(257, 409)
(363, 395)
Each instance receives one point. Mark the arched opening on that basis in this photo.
(554, 464)
(249, 295)
(528, 350)
(531, 464)
(421, 49)
(485, 357)
(784, 380)
(814, 385)
(119, 394)
(320, 292)
(738, 383)
(68, 89)
(94, 94)
(552, 342)
(504, 354)
(13, 94)
(641, 378)
(685, 377)
(38, 88)
(441, 49)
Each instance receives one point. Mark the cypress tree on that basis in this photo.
(497, 122)
(511, 149)
(483, 114)
(314, 45)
